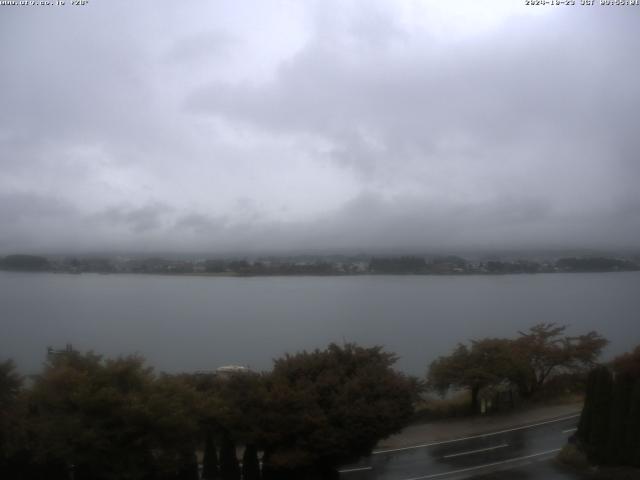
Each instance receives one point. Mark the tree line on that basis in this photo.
(393, 265)
(90, 417)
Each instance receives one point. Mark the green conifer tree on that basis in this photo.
(229, 467)
(250, 463)
(210, 459)
(188, 469)
(632, 438)
(586, 417)
(599, 432)
(620, 405)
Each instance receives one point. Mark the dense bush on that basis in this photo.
(572, 456)
(330, 406)
(104, 419)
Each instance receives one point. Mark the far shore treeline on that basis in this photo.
(316, 265)
(85, 416)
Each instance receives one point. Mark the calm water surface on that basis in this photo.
(193, 323)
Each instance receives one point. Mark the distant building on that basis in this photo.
(230, 370)
(52, 352)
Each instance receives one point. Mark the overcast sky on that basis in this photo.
(329, 124)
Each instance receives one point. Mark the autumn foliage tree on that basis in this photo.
(526, 363)
(544, 350)
(485, 362)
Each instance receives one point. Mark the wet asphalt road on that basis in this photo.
(517, 453)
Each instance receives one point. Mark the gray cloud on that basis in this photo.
(200, 224)
(138, 220)
(30, 206)
(199, 46)
(324, 125)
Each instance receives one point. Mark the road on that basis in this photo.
(523, 452)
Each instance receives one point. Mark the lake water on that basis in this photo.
(199, 323)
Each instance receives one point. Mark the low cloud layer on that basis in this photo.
(318, 125)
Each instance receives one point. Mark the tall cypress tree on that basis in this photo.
(609, 428)
(250, 463)
(188, 469)
(620, 404)
(599, 432)
(586, 416)
(210, 459)
(229, 467)
(268, 472)
(632, 437)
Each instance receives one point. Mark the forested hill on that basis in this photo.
(317, 265)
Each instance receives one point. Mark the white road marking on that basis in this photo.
(569, 430)
(476, 451)
(425, 445)
(360, 469)
(494, 464)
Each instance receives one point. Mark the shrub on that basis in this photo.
(571, 456)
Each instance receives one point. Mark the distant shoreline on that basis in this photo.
(316, 266)
(283, 275)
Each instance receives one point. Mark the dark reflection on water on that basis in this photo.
(187, 323)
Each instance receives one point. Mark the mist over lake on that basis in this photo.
(200, 323)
